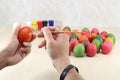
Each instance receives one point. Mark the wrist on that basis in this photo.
(66, 73)
(61, 63)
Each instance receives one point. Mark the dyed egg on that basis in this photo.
(103, 37)
(95, 30)
(85, 43)
(91, 50)
(83, 37)
(85, 33)
(73, 36)
(67, 32)
(112, 36)
(97, 43)
(78, 35)
(100, 39)
(25, 34)
(104, 33)
(106, 47)
(86, 29)
(79, 50)
(72, 43)
(109, 39)
(90, 37)
(93, 35)
(76, 32)
(67, 27)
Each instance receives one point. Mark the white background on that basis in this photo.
(75, 13)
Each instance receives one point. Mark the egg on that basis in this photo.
(91, 50)
(25, 34)
(79, 50)
(106, 47)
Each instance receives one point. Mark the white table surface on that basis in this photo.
(38, 66)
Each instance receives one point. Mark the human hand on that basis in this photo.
(17, 51)
(57, 46)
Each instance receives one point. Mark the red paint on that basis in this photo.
(39, 25)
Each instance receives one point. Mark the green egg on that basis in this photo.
(112, 36)
(100, 39)
(86, 29)
(79, 50)
(67, 27)
(97, 43)
(73, 36)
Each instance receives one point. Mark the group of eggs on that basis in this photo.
(89, 43)
(81, 43)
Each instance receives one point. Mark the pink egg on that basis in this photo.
(106, 47)
(95, 30)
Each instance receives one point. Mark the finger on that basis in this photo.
(41, 33)
(42, 44)
(16, 28)
(23, 55)
(62, 36)
(26, 50)
(57, 28)
(47, 33)
(27, 44)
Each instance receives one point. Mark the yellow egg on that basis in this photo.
(109, 39)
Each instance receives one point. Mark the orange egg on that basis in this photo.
(93, 35)
(109, 39)
(83, 37)
(25, 34)
(75, 31)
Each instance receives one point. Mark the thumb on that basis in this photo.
(16, 28)
(47, 33)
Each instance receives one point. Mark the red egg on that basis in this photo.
(25, 34)
(106, 47)
(104, 33)
(85, 33)
(91, 50)
(95, 30)
(73, 42)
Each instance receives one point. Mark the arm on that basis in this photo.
(58, 48)
(3, 58)
(13, 52)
